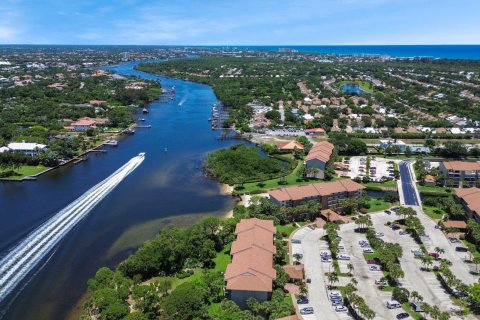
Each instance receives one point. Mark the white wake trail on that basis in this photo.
(23, 258)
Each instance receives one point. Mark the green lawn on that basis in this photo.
(415, 315)
(25, 171)
(223, 259)
(388, 184)
(364, 85)
(287, 228)
(378, 205)
(434, 189)
(290, 180)
(433, 212)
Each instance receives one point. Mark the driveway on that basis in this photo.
(408, 193)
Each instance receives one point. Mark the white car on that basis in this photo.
(325, 253)
(335, 294)
(375, 268)
(343, 257)
(326, 259)
(381, 282)
(368, 250)
(379, 234)
(340, 309)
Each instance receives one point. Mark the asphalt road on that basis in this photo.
(409, 191)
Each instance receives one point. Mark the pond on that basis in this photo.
(352, 88)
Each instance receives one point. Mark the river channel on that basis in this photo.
(167, 189)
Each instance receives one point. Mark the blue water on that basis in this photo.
(349, 88)
(469, 52)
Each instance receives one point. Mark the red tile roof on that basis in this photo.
(295, 193)
(252, 254)
(292, 145)
(321, 151)
(461, 165)
(471, 197)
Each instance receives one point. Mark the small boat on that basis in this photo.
(129, 131)
(145, 110)
(141, 154)
(142, 119)
(111, 142)
(165, 149)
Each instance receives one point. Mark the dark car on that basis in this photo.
(302, 300)
(402, 315)
(461, 249)
(372, 261)
(395, 227)
(434, 254)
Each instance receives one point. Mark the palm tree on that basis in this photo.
(427, 261)
(297, 257)
(303, 289)
(332, 277)
(350, 268)
(476, 262)
(439, 251)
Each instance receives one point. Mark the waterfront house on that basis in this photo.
(291, 146)
(251, 273)
(329, 194)
(27, 148)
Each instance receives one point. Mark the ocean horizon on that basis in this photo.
(464, 52)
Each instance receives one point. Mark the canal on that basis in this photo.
(167, 189)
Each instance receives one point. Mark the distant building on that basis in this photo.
(318, 158)
(251, 272)
(315, 132)
(430, 180)
(27, 148)
(460, 172)
(291, 146)
(329, 194)
(390, 143)
(83, 124)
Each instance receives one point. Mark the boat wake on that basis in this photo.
(26, 255)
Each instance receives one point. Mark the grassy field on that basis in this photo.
(433, 212)
(434, 189)
(25, 171)
(290, 180)
(378, 205)
(388, 184)
(364, 85)
(223, 259)
(415, 315)
(287, 228)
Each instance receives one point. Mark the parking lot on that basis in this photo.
(379, 168)
(285, 132)
(374, 298)
(425, 283)
(310, 247)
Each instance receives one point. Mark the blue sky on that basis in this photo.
(244, 22)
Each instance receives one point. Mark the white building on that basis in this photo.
(28, 148)
(389, 143)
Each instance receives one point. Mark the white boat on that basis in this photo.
(142, 154)
(111, 142)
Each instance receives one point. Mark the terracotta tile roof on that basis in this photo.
(292, 145)
(430, 178)
(461, 165)
(471, 197)
(321, 151)
(332, 216)
(314, 190)
(252, 257)
(247, 224)
(455, 224)
(294, 271)
(83, 122)
(315, 130)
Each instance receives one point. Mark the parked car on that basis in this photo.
(338, 302)
(325, 253)
(393, 304)
(308, 280)
(296, 241)
(434, 254)
(326, 259)
(343, 257)
(372, 261)
(335, 294)
(418, 254)
(394, 226)
(379, 234)
(381, 282)
(387, 211)
(307, 310)
(454, 240)
(402, 232)
(340, 308)
(402, 315)
(461, 249)
(302, 300)
(375, 268)
(368, 250)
